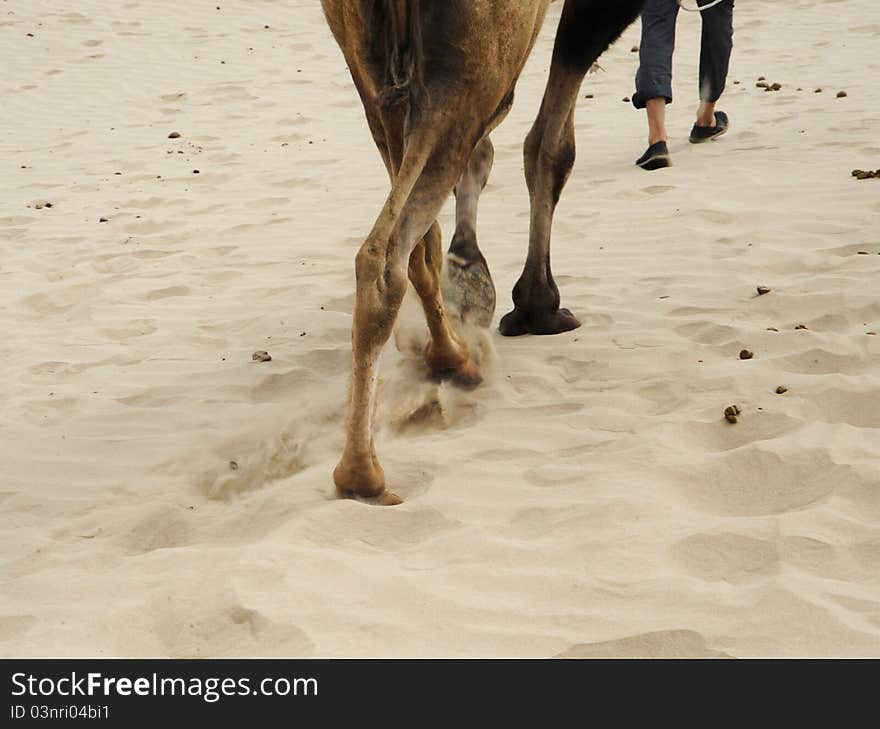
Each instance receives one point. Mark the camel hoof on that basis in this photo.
(383, 498)
(468, 288)
(388, 499)
(542, 321)
(467, 376)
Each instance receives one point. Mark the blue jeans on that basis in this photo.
(654, 77)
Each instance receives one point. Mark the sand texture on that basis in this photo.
(161, 494)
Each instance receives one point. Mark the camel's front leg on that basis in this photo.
(469, 288)
(586, 29)
(549, 157)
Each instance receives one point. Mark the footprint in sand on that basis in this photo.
(751, 481)
(659, 644)
(726, 557)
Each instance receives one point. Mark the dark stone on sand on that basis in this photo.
(233, 465)
(776, 87)
(174, 135)
(818, 91)
(763, 290)
(48, 205)
(762, 78)
(730, 413)
(782, 389)
(626, 99)
(801, 326)
(195, 172)
(102, 220)
(746, 354)
(762, 85)
(772, 329)
(634, 49)
(841, 94)
(261, 356)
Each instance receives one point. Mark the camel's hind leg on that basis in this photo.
(446, 354)
(430, 168)
(586, 29)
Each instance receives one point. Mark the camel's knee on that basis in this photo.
(481, 161)
(549, 158)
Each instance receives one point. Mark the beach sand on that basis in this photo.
(161, 494)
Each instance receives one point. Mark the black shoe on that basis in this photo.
(655, 157)
(704, 134)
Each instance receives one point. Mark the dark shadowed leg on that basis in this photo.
(586, 29)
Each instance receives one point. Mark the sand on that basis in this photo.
(588, 500)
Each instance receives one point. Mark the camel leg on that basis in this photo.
(469, 287)
(431, 166)
(586, 29)
(446, 353)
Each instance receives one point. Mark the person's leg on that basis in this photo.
(654, 77)
(656, 109)
(715, 48)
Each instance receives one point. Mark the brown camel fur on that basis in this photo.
(435, 77)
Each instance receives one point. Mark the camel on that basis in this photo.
(435, 78)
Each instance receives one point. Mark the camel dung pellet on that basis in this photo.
(730, 413)
(776, 87)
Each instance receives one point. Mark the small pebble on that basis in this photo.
(841, 94)
(772, 329)
(626, 99)
(782, 389)
(261, 356)
(761, 85)
(48, 205)
(763, 290)
(174, 135)
(233, 465)
(746, 354)
(195, 172)
(776, 87)
(801, 326)
(762, 78)
(634, 49)
(818, 91)
(102, 220)
(730, 413)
